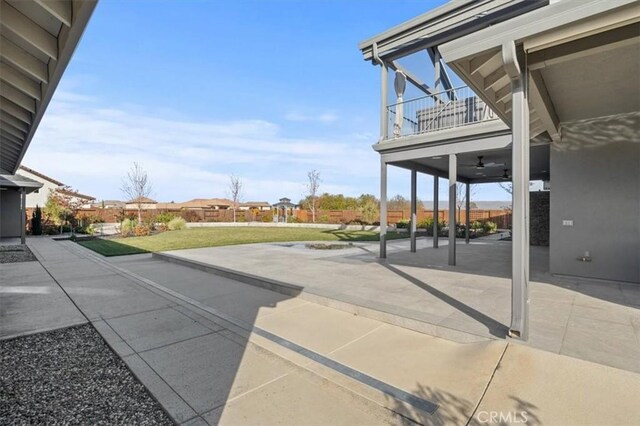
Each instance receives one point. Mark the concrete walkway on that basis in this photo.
(214, 350)
(597, 321)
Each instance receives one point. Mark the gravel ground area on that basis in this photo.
(71, 376)
(16, 253)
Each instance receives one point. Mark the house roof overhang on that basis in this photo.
(452, 20)
(598, 40)
(37, 41)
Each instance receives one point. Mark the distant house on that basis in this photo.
(255, 205)
(49, 185)
(198, 204)
(145, 203)
(108, 204)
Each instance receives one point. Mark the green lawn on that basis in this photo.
(214, 237)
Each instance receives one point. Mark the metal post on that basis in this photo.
(383, 209)
(467, 208)
(23, 216)
(436, 210)
(452, 208)
(414, 205)
(520, 178)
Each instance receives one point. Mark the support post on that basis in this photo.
(384, 112)
(414, 207)
(23, 216)
(452, 208)
(383, 209)
(467, 208)
(436, 209)
(520, 180)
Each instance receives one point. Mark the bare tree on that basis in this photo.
(508, 187)
(137, 187)
(313, 185)
(461, 195)
(235, 192)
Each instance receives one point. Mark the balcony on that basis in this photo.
(449, 109)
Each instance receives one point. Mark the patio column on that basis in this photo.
(383, 209)
(23, 216)
(520, 180)
(467, 205)
(436, 211)
(452, 208)
(414, 206)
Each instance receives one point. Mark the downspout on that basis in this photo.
(384, 113)
(519, 327)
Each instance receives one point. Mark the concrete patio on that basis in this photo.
(213, 350)
(593, 320)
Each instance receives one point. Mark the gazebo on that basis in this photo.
(284, 208)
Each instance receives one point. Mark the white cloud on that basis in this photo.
(90, 147)
(324, 117)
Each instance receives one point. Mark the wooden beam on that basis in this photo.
(19, 81)
(541, 102)
(59, 9)
(503, 93)
(479, 62)
(585, 46)
(22, 60)
(16, 111)
(33, 34)
(17, 97)
(496, 80)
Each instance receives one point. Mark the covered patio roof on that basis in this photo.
(18, 182)
(38, 38)
(581, 57)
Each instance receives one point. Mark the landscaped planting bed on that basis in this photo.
(71, 376)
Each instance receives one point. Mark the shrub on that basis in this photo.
(476, 225)
(324, 219)
(164, 217)
(267, 218)
(127, 226)
(489, 227)
(177, 224)
(161, 227)
(426, 223)
(141, 230)
(36, 222)
(293, 219)
(403, 224)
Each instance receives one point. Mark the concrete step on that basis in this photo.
(422, 326)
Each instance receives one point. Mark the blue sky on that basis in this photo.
(198, 90)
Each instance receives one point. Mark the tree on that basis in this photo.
(461, 195)
(36, 221)
(369, 209)
(136, 187)
(235, 192)
(313, 185)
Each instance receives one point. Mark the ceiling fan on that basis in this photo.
(481, 164)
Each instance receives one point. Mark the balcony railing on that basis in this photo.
(452, 108)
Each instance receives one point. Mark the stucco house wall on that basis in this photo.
(595, 182)
(39, 198)
(10, 218)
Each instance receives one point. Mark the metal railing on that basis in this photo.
(449, 109)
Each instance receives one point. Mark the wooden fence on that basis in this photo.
(501, 217)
